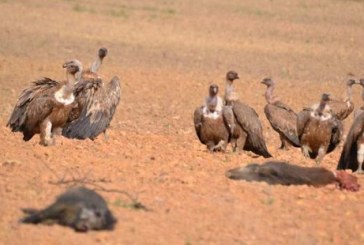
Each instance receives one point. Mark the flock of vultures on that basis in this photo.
(83, 106)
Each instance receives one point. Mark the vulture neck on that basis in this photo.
(321, 108)
(212, 103)
(362, 94)
(230, 94)
(349, 93)
(96, 65)
(269, 94)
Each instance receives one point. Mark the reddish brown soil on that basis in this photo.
(166, 54)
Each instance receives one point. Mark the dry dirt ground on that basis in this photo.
(166, 54)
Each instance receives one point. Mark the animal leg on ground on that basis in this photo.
(57, 131)
(320, 155)
(240, 142)
(360, 157)
(106, 136)
(305, 151)
(46, 133)
(284, 143)
(221, 146)
(210, 145)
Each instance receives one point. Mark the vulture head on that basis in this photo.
(325, 98)
(213, 99)
(73, 66)
(361, 82)
(213, 90)
(231, 76)
(350, 82)
(268, 81)
(102, 53)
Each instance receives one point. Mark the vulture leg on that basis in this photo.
(306, 151)
(360, 157)
(221, 146)
(210, 145)
(106, 136)
(239, 143)
(320, 155)
(57, 131)
(46, 138)
(284, 143)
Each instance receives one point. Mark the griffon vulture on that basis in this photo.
(352, 155)
(45, 105)
(213, 121)
(248, 131)
(342, 108)
(281, 117)
(96, 103)
(318, 130)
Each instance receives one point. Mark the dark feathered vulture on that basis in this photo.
(281, 117)
(352, 155)
(318, 130)
(342, 108)
(282, 173)
(248, 131)
(361, 109)
(79, 208)
(96, 103)
(44, 106)
(213, 121)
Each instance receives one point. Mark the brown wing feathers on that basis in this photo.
(98, 107)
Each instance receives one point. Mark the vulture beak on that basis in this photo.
(65, 65)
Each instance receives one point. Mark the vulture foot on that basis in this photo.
(48, 142)
(305, 151)
(320, 155)
(359, 171)
(221, 146)
(57, 131)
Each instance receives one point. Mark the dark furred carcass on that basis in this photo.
(213, 121)
(318, 130)
(283, 173)
(247, 131)
(79, 208)
(281, 117)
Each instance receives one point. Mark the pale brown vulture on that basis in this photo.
(96, 103)
(342, 108)
(283, 173)
(281, 117)
(248, 131)
(318, 130)
(352, 155)
(45, 105)
(213, 121)
(79, 208)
